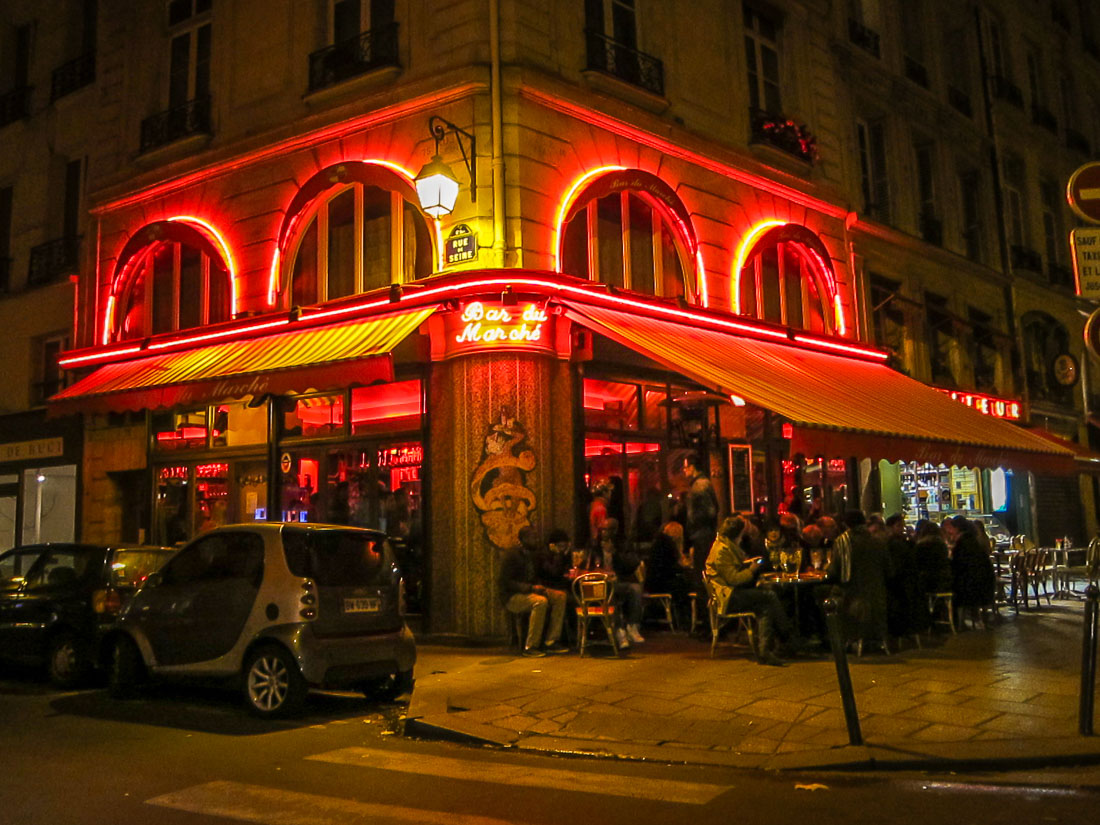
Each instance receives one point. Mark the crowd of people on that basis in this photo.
(881, 571)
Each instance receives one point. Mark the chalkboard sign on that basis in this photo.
(740, 478)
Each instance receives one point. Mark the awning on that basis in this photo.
(320, 358)
(840, 406)
(1086, 460)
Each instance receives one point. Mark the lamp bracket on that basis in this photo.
(439, 127)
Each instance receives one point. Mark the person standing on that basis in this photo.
(520, 593)
(702, 512)
(861, 567)
(974, 579)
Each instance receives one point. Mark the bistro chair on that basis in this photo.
(1092, 562)
(593, 593)
(946, 600)
(663, 599)
(746, 620)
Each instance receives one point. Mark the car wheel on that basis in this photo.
(127, 670)
(273, 684)
(67, 661)
(390, 687)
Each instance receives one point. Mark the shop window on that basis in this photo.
(313, 416)
(235, 425)
(180, 429)
(621, 234)
(49, 504)
(386, 408)
(655, 410)
(781, 280)
(224, 425)
(360, 238)
(626, 481)
(175, 284)
(196, 496)
(609, 405)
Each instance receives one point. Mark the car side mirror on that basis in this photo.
(152, 580)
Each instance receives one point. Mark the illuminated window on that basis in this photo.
(626, 237)
(782, 280)
(386, 408)
(176, 280)
(357, 237)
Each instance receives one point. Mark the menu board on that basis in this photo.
(740, 465)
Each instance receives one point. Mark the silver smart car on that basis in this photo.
(279, 607)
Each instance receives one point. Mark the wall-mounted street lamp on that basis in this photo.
(436, 185)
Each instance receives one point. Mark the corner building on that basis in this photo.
(676, 232)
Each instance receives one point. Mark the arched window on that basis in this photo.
(357, 228)
(628, 229)
(1044, 340)
(170, 276)
(786, 279)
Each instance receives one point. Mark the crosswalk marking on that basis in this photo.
(271, 806)
(605, 784)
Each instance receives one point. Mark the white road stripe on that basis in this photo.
(271, 806)
(606, 784)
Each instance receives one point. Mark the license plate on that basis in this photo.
(362, 605)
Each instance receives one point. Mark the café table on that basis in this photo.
(798, 585)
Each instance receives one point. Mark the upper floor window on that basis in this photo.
(762, 57)
(611, 38)
(931, 228)
(970, 218)
(913, 28)
(940, 338)
(1014, 186)
(48, 376)
(189, 52)
(984, 350)
(171, 277)
(786, 279)
(362, 35)
(628, 230)
(360, 230)
(888, 314)
(1044, 340)
(871, 144)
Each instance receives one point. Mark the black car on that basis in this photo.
(56, 600)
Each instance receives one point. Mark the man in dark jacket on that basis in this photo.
(860, 565)
(519, 593)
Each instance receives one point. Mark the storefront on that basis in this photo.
(458, 411)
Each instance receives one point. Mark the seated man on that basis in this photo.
(520, 593)
(553, 561)
(609, 557)
(733, 579)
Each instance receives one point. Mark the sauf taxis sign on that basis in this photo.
(1083, 196)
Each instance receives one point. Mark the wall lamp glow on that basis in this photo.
(436, 185)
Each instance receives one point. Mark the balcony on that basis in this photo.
(15, 105)
(192, 118)
(867, 39)
(76, 74)
(1027, 260)
(931, 228)
(624, 63)
(5, 276)
(916, 71)
(1042, 116)
(52, 260)
(1004, 89)
(783, 134)
(959, 100)
(1060, 275)
(351, 58)
(1077, 142)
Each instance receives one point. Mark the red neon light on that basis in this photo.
(222, 246)
(597, 447)
(742, 255)
(788, 430)
(178, 472)
(182, 434)
(412, 455)
(987, 404)
(492, 325)
(217, 469)
(832, 345)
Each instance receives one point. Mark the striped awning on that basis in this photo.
(319, 358)
(839, 406)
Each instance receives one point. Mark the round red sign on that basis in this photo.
(1083, 192)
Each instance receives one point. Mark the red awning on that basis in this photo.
(840, 406)
(321, 358)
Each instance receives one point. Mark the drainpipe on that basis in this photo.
(498, 134)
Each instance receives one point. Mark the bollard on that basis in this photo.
(1088, 660)
(843, 677)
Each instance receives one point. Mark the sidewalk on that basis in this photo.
(1003, 697)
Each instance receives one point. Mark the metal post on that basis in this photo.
(1088, 660)
(843, 677)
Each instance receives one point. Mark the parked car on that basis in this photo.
(57, 600)
(276, 608)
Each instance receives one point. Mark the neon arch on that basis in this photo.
(187, 229)
(384, 174)
(603, 180)
(810, 249)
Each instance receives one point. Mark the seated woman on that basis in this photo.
(733, 580)
(668, 568)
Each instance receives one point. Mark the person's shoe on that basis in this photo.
(555, 647)
(621, 638)
(772, 659)
(533, 653)
(635, 634)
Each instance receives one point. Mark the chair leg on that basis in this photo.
(611, 635)
(951, 615)
(753, 641)
(582, 633)
(668, 614)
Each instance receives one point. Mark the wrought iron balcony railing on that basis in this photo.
(76, 74)
(53, 259)
(351, 58)
(916, 71)
(620, 61)
(15, 105)
(192, 118)
(931, 228)
(1004, 89)
(1026, 259)
(867, 39)
(959, 100)
(1042, 116)
(1077, 142)
(783, 133)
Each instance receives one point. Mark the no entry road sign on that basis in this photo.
(1083, 192)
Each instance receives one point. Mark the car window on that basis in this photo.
(62, 567)
(218, 557)
(15, 566)
(335, 557)
(129, 568)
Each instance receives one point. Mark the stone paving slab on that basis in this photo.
(978, 696)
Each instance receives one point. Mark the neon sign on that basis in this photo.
(987, 404)
(409, 456)
(482, 326)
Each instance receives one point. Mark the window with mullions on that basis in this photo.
(780, 283)
(940, 332)
(888, 314)
(871, 144)
(984, 353)
(762, 58)
(970, 217)
(1045, 339)
(232, 424)
(380, 409)
(189, 52)
(361, 238)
